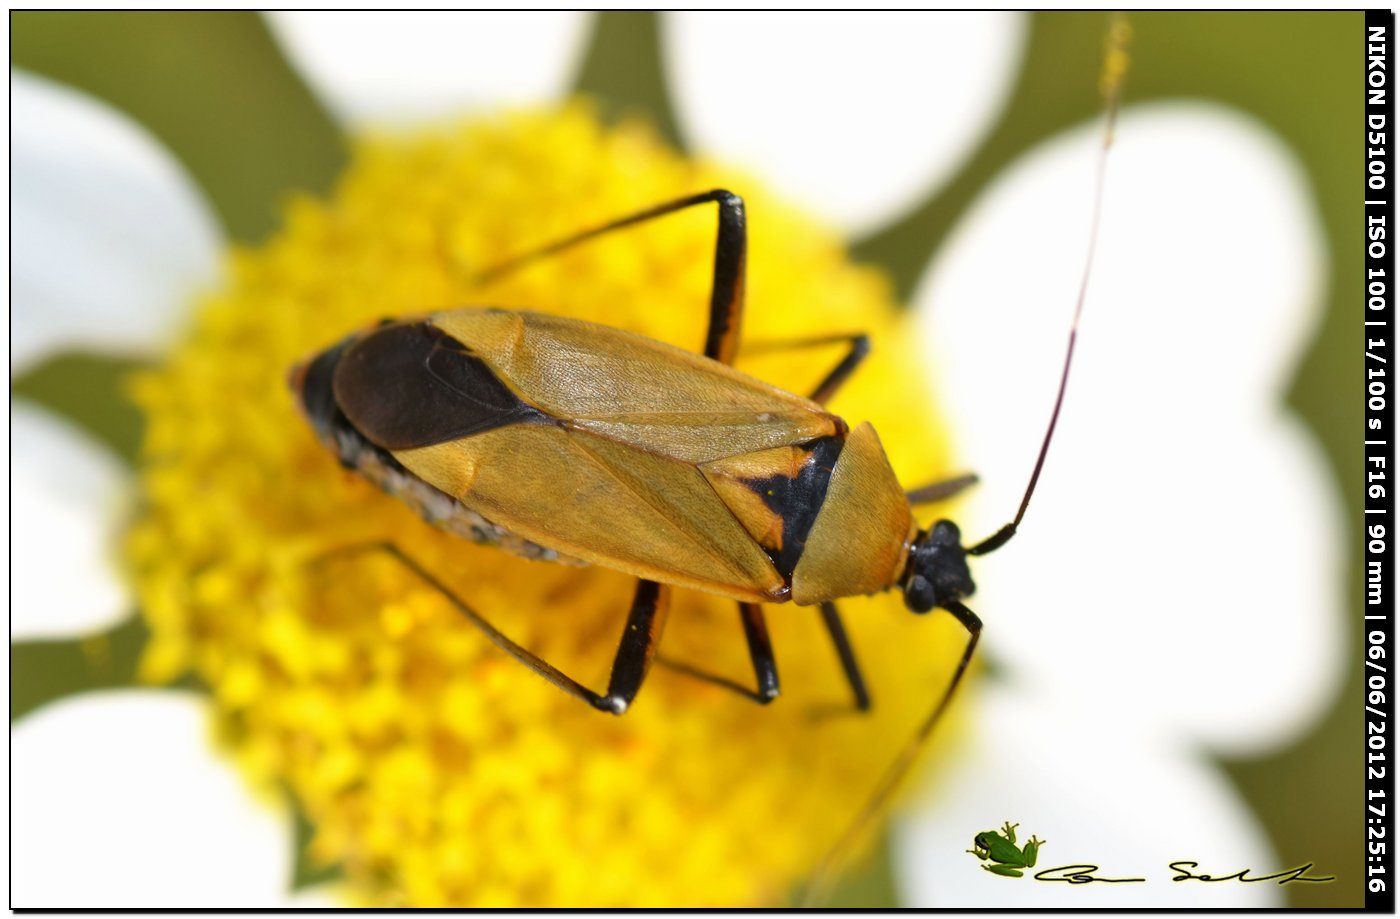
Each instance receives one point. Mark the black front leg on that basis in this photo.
(730, 271)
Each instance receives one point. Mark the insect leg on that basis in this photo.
(902, 761)
(859, 343)
(837, 377)
(634, 654)
(731, 255)
(640, 637)
(940, 491)
(860, 347)
(765, 667)
(832, 618)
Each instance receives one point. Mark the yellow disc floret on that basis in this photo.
(436, 770)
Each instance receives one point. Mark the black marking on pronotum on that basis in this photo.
(412, 385)
(796, 501)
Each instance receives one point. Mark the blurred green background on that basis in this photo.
(216, 90)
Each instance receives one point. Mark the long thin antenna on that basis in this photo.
(1111, 86)
(894, 773)
(1115, 69)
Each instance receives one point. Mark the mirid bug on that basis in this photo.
(564, 440)
(556, 438)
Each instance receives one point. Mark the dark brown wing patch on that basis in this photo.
(412, 385)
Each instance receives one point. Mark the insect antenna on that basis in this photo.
(824, 874)
(1115, 68)
(1110, 86)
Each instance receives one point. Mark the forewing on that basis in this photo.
(635, 390)
(604, 502)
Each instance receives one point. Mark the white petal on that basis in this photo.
(122, 801)
(1097, 792)
(859, 116)
(110, 236)
(395, 66)
(67, 491)
(1181, 556)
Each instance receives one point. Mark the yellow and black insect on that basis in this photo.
(556, 439)
(565, 440)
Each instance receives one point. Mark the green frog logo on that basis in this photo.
(1000, 851)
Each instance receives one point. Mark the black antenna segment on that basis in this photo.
(1111, 85)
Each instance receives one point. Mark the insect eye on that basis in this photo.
(920, 595)
(945, 533)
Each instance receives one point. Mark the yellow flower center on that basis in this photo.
(435, 769)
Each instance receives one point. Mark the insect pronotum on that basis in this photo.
(658, 462)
